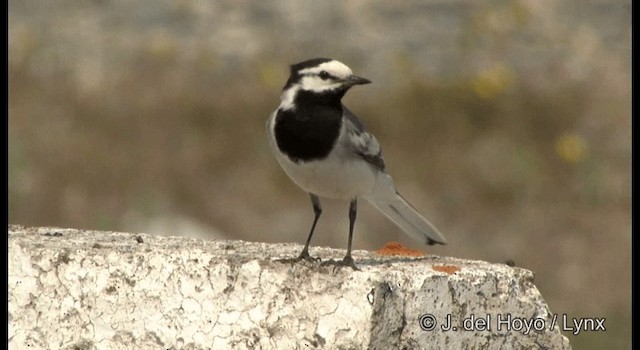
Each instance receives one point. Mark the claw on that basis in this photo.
(346, 262)
(304, 255)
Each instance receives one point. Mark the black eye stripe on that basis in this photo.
(324, 75)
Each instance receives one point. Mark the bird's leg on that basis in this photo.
(353, 210)
(348, 259)
(317, 210)
(304, 255)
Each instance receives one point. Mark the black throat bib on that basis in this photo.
(309, 131)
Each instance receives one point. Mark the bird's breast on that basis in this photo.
(306, 135)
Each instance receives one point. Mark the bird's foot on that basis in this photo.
(346, 262)
(304, 255)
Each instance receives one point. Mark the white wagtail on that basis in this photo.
(325, 149)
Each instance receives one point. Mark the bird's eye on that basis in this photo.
(324, 75)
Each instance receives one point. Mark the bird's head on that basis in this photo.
(323, 74)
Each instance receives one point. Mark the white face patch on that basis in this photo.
(287, 98)
(315, 83)
(311, 80)
(333, 67)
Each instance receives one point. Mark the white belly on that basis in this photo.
(332, 177)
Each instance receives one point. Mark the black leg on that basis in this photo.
(353, 210)
(348, 260)
(317, 210)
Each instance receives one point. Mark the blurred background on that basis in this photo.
(506, 122)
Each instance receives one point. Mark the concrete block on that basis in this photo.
(80, 289)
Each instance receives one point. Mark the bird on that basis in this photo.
(326, 150)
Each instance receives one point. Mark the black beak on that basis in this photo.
(356, 80)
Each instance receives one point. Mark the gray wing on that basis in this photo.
(361, 142)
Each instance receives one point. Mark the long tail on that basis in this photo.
(397, 209)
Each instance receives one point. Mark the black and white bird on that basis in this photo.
(325, 149)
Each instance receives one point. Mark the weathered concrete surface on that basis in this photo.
(77, 289)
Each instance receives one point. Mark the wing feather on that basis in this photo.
(361, 142)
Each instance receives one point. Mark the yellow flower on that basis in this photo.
(572, 148)
(489, 83)
(271, 75)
